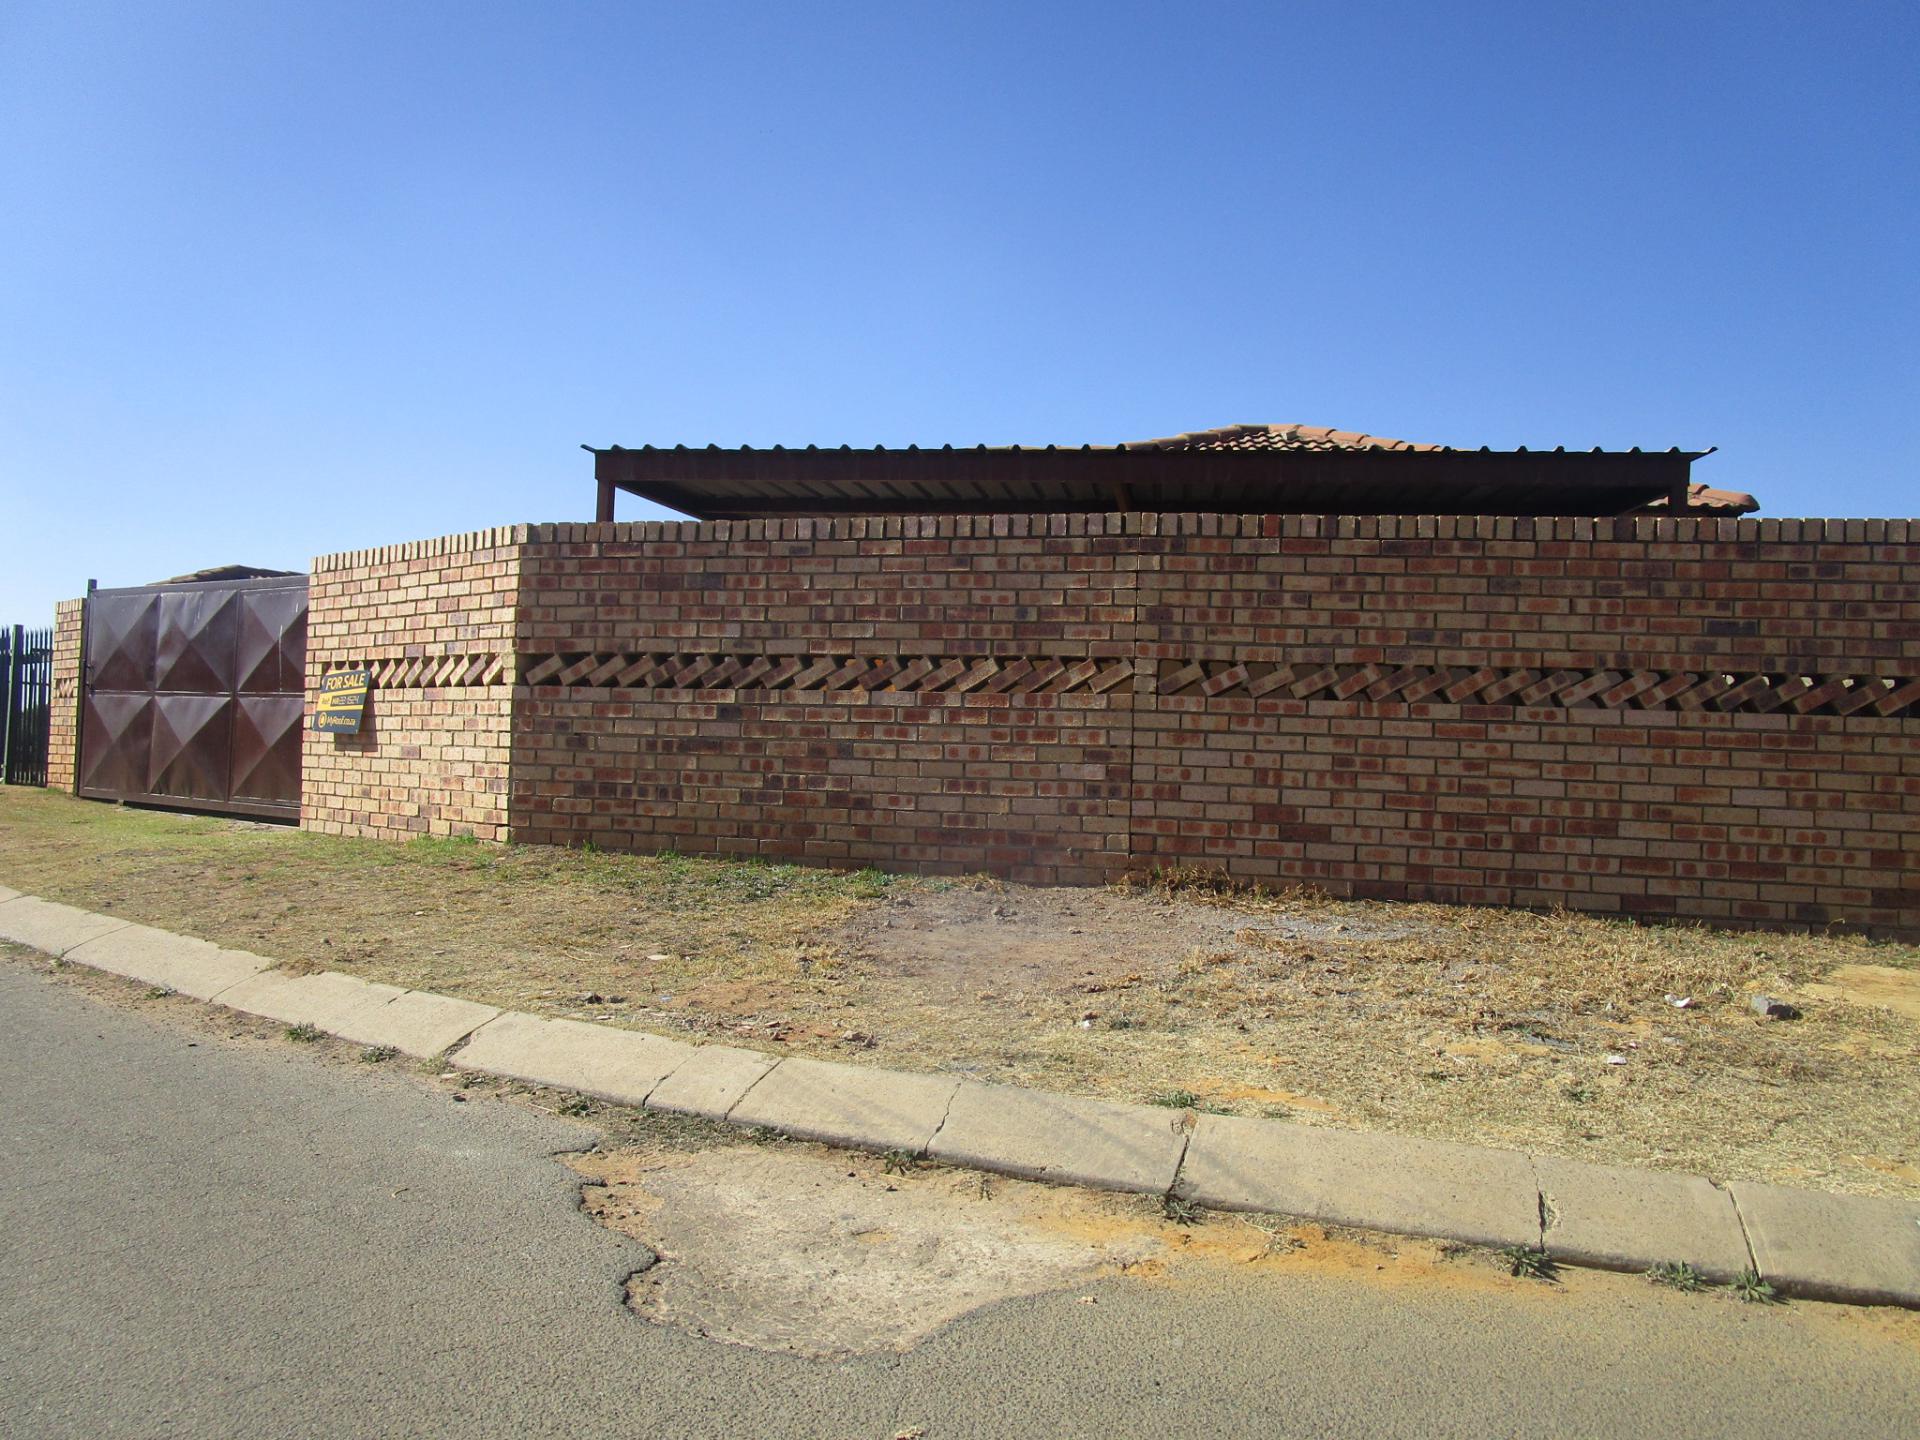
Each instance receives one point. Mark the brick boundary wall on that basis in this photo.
(1697, 718)
(63, 712)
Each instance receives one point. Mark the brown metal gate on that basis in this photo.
(194, 695)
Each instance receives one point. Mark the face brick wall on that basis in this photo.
(434, 622)
(1699, 718)
(1661, 738)
(63, 715)
(909, 693)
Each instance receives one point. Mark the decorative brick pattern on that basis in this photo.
(1401, 684)
(63, 716)
(1667, 717)
(434, 622)
(1680, 716)
(430, 672)
(900, 675)
(1585, 689)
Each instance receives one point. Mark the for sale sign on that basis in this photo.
(343, 701)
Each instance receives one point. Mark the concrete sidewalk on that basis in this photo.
(1805, 1243)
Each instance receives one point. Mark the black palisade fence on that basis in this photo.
(26, 675)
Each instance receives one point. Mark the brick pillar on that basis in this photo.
(63, 719)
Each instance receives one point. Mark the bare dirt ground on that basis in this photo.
(1561, 1033)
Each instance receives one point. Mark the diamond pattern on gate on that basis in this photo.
(194, 644)
(271, 646)
(927, 674)
(1625, 689)
(188, 755)
(120, 640)
(266, 746)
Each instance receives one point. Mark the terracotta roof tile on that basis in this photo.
(1277, 437)
(1705, 500)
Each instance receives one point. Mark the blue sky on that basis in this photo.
(285, 279)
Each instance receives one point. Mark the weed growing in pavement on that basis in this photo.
(899, 1162)
(766, 1135)
(1180, 1212)
(305, 1032)
(377, 1054)
(159, 992)
(1677, 1275)
(1754, 1290)
(577, 1105)
(1529, 1262)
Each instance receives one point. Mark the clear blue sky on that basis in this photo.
(280, 279)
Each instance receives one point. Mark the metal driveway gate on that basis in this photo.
(194, 695)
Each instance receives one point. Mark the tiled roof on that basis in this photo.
(225, 572)
(1277, 437)
(1705, 500)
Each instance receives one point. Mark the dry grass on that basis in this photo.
(512, 926)
(1482, 1025)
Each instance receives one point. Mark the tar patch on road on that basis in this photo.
(799, 1249)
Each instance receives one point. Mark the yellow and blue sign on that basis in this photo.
(343, 701)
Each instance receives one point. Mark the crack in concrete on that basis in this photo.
(1544, 1210)
(750, 1089)
(81, 945)
(1746, 1236)
(1179, 1164)
(463, 1041)
(944, 1114)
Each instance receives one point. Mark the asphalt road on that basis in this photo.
(206, 1236)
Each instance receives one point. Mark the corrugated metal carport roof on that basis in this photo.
(1235, 469)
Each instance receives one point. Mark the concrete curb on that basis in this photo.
(1804, 1243)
